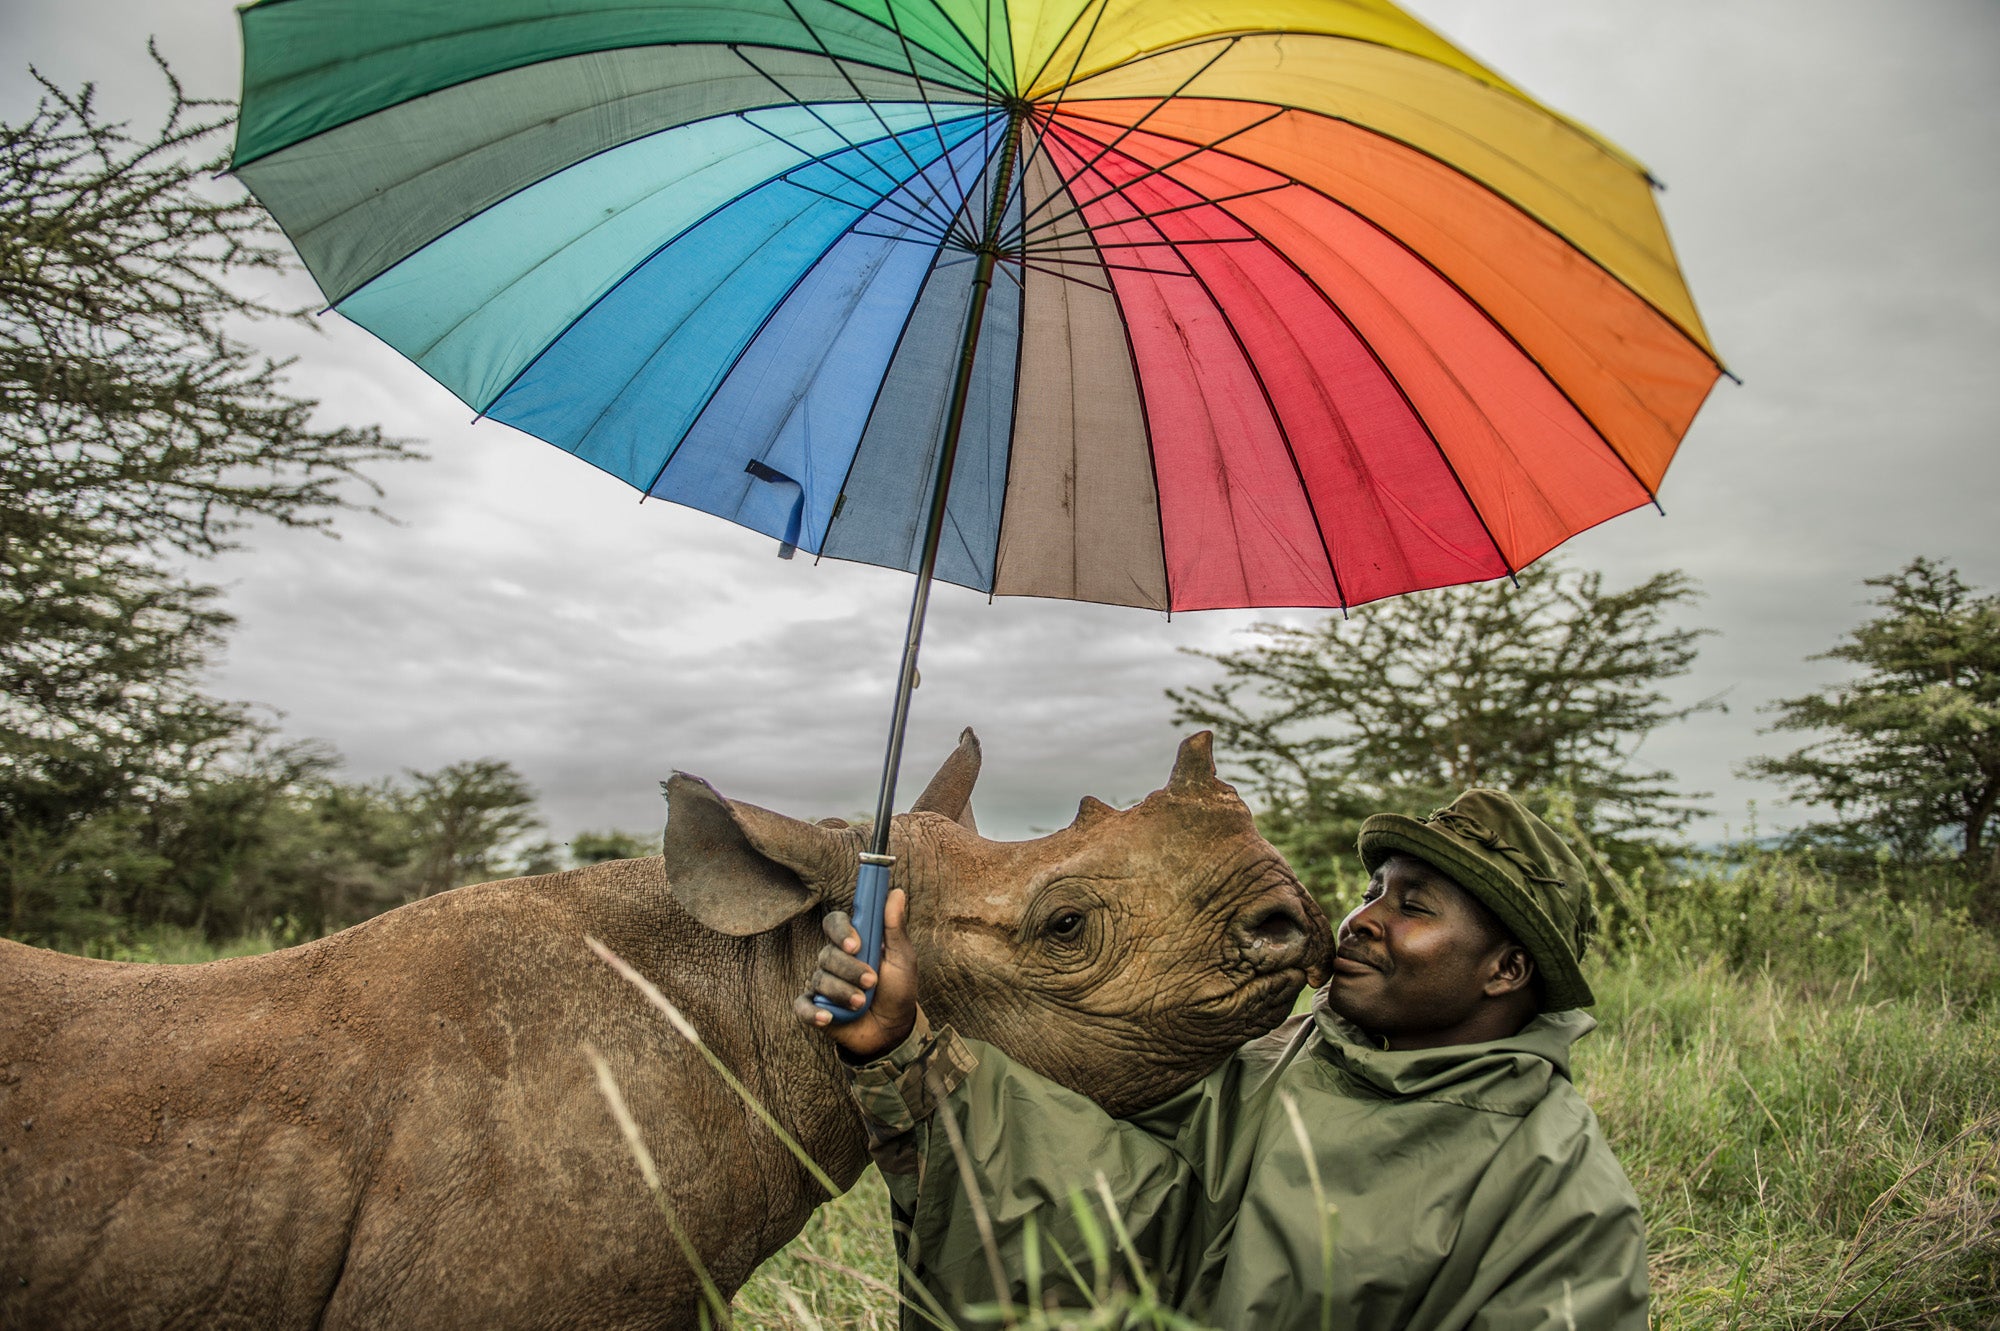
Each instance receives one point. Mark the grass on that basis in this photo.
(1802, 1163)
(839, 1273)
(172, 945)
(1801, 1077)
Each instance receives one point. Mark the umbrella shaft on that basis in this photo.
(982, 284)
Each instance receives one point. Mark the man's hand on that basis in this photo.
(843, 978)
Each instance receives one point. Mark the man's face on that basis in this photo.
(1416, 961)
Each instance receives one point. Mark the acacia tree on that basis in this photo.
(466, 815)
(136, 432)
(1910, 750)
(1545, 689)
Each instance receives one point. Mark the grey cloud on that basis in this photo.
(1831, 196)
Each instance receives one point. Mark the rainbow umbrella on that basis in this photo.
(1176, 305)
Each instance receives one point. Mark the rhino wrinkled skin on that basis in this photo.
(395, 1126)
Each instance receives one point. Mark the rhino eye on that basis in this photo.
(1065, 926)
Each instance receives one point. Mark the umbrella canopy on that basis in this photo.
(1180, 305)
(1235, 303)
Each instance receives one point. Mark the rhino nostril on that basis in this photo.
(1275, 934)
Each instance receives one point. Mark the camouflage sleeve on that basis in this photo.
(899, 1091)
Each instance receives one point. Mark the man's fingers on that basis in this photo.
(832, 961)
(840, 931)
(809, 1012)
(836, 990)
(894, 910)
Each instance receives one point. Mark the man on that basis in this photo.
(1412, 1156)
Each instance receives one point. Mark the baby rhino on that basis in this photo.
(397, 1126)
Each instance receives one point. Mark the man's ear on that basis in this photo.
(1513, 970)
(742, 870)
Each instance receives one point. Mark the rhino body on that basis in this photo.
(396, 1125)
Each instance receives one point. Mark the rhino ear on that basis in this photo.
(740, 869)
(1194, 765)
(950, 791)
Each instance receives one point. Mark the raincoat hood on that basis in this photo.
(1507, 1076)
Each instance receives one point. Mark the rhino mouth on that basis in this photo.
(1245, 1010)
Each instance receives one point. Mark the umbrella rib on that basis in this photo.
(813, 111)
(909, 58)
(923, 227)
(930, 240)
(1284, 108)
(744, 350)
(1102, 263)
(917, 218)
(986, 173)
(1040, 245)
(985, 57)
(1107, 265)
(872, 109)
(1075, 19)
(1464, 295)
(1067, 277)
(1270, 403)
(875, 404)
(1145, 423)
(1041, 134)
(964, 37)
(1151, 111)
(1040, 250)
(1078, 205)
(1013, 432)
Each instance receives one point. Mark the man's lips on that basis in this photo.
(1353, 963)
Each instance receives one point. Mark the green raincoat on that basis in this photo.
(1470, 1186)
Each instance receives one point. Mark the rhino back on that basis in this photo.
(158, 1124)
(392, 1124)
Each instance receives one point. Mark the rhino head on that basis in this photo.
(1122, 956)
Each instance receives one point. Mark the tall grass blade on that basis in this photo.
(608, 1086)
(1117, 1222)
(1325, 1213)
(1100, 1252)
(995, 1268)
(680, 1023)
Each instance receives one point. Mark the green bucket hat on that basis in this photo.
(1527, 875)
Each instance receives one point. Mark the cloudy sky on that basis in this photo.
(1832, 196)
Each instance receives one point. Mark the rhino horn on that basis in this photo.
(1089, 810)
(742, 870)
(950, 791)
(1194, 765)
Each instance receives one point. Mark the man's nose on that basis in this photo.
(1362, 922)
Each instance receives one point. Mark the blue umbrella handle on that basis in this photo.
(871, 894)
